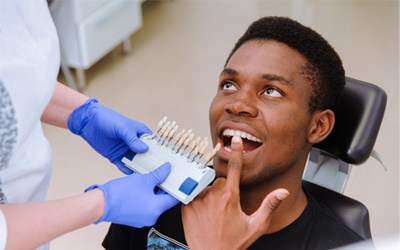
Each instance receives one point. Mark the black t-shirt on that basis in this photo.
(316, 228)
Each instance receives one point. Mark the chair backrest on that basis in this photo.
(358, 119)
(353, 213)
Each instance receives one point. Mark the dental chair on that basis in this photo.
(351, 142)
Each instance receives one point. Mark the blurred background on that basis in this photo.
(148, 59)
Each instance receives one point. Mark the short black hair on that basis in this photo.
(324, 68)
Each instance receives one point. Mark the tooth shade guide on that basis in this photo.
(159, 126)
(212, 153)
(192, 145)
(162, 130)
(189, 174)
(161, 123)
(182, 140)
(165, 126)
(186, 143)
(179, 135)
(183, 143)
(170, 134)
(178, 139)
(199, 150)
(166, 131)
(164, 136)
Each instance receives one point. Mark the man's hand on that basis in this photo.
(215, 220)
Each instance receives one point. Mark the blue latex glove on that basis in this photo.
(108, 132)
(133, 201)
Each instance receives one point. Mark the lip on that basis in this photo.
(224, 154)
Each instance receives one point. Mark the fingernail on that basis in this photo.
(236, 139)
(281, 195)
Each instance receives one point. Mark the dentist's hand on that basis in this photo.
(133, 201)
(215, 220)
(108, 132)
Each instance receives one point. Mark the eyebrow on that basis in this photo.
(276, 78)
(228, 71)
(268, 77)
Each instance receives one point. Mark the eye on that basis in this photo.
(270, 91)
(227, 85)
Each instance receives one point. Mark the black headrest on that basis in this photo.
(358, 119)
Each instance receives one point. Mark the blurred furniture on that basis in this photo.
(358, 119)
(89, 29)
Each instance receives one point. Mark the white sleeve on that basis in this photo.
(3, 231)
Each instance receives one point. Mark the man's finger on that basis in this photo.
(235, 163)
(270, 204)
(203, 193)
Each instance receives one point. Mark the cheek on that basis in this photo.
(289, 129)
(215, 112)
(211, 114)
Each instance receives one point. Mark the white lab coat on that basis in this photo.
(29, 65)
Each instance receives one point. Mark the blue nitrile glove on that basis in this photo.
(108, 132)
(133, 201)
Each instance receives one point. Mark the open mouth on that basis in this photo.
(250, 142)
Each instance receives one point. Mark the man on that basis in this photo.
(276, 98)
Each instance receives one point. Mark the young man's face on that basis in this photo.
(263, 96)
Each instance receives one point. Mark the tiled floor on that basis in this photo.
(173, 67)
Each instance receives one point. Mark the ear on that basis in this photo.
(321, 125)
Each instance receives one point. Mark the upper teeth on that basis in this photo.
(231, 132)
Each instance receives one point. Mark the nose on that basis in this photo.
(243, 103)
